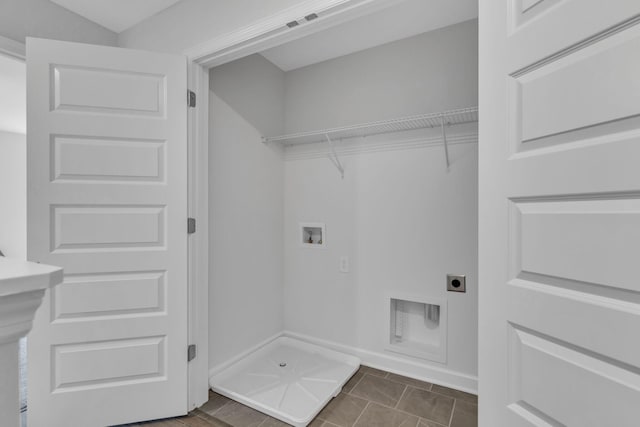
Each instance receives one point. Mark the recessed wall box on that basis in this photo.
(417, 326)
(312, 235)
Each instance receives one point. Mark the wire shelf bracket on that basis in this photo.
(444, 141)
(333, 156)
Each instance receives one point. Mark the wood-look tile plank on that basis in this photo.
(372, 371)
(239, 415)
(272, 422)
(410, 381)
(215, 402)
(169, 422)
(456, 394)
(213, 421)
(428, 405)
(427, 423)
(376, 415)
(321, 423)
(378, 389)
(465, 414)
(343, 410)
(352, 382)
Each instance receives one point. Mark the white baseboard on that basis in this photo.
(400, 366)
(384, 361)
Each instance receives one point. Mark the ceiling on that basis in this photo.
(13, 95)
(405, 19)
(116, 15)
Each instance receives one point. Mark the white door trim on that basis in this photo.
(272, 30)
(198, 246)
(13, 48)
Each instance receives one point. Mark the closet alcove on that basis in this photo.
(379, 147)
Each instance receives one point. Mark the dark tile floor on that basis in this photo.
(371, 398)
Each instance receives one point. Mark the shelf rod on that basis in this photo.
(454, 117)
(444, 140)
(333, 156)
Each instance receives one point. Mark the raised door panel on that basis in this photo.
(107, 159)
(106, 91)
(595, 391)
(90, 365)
(83, 297)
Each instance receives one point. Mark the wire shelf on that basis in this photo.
(422, 121)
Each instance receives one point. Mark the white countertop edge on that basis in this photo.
(18, 276)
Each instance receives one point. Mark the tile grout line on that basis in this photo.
(450, 397)
(363, 411)
(355, 385)
(413, 385)
(395, 407)
(225, 404)
(453, 408)
(406, 387)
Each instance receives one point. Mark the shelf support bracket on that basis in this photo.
(333, 156)
(444, 141)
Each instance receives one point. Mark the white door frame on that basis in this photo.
(198, 245)
(263, 34)
(13, 49)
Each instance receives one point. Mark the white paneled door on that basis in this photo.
(107, 201)
(559, 213)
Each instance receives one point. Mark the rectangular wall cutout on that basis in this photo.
(312, 234)
(417, 327)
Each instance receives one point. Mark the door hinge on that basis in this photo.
(191, 225)
(191, 98)
(191, 352)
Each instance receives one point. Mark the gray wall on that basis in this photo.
(13, 194)
(246, 208)
(430, 72)
(254, 87)
(44, 19)
(402, 218)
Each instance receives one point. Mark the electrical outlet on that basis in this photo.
(344, 264)
(456, 283)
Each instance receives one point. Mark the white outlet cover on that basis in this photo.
(344, 264)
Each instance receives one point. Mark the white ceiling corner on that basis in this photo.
(115, 15)
(401, 20)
